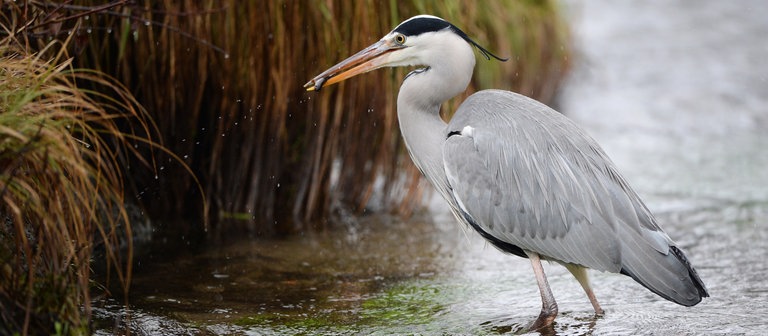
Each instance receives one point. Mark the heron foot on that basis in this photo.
(546, 318)
(599, 312)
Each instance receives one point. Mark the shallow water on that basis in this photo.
(678, 96)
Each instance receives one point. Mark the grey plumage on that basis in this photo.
(546, 186)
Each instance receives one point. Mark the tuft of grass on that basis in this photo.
(61, 187)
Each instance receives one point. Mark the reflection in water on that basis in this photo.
(677, 94)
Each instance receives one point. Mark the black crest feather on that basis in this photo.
(427, 24)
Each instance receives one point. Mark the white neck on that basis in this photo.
(418, 107)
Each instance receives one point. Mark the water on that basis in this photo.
(678, 96)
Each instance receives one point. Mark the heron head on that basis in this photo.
(421, 40)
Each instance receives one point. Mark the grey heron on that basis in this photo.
(525, 177)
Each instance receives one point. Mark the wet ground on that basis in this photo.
(676, 92)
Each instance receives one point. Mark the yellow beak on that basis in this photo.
(366, 60)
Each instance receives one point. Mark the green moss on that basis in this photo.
(406, 303)
(295, 324)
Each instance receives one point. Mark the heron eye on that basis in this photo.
(400, 38)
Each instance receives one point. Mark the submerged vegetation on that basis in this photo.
(222, 85)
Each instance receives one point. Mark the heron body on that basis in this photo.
(525, 177)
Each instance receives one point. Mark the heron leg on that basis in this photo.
(580, 273)
(548, 304)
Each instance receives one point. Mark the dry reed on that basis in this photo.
(61, 192)
(223, 82)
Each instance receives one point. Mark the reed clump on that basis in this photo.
(61, 187)
(223, 81)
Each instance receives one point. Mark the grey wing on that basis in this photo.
(529, 177)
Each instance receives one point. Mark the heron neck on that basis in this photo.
(418, 112)
(423, 132)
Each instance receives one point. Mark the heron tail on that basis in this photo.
(671, 276)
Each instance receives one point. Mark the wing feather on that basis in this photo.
(530, 177)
